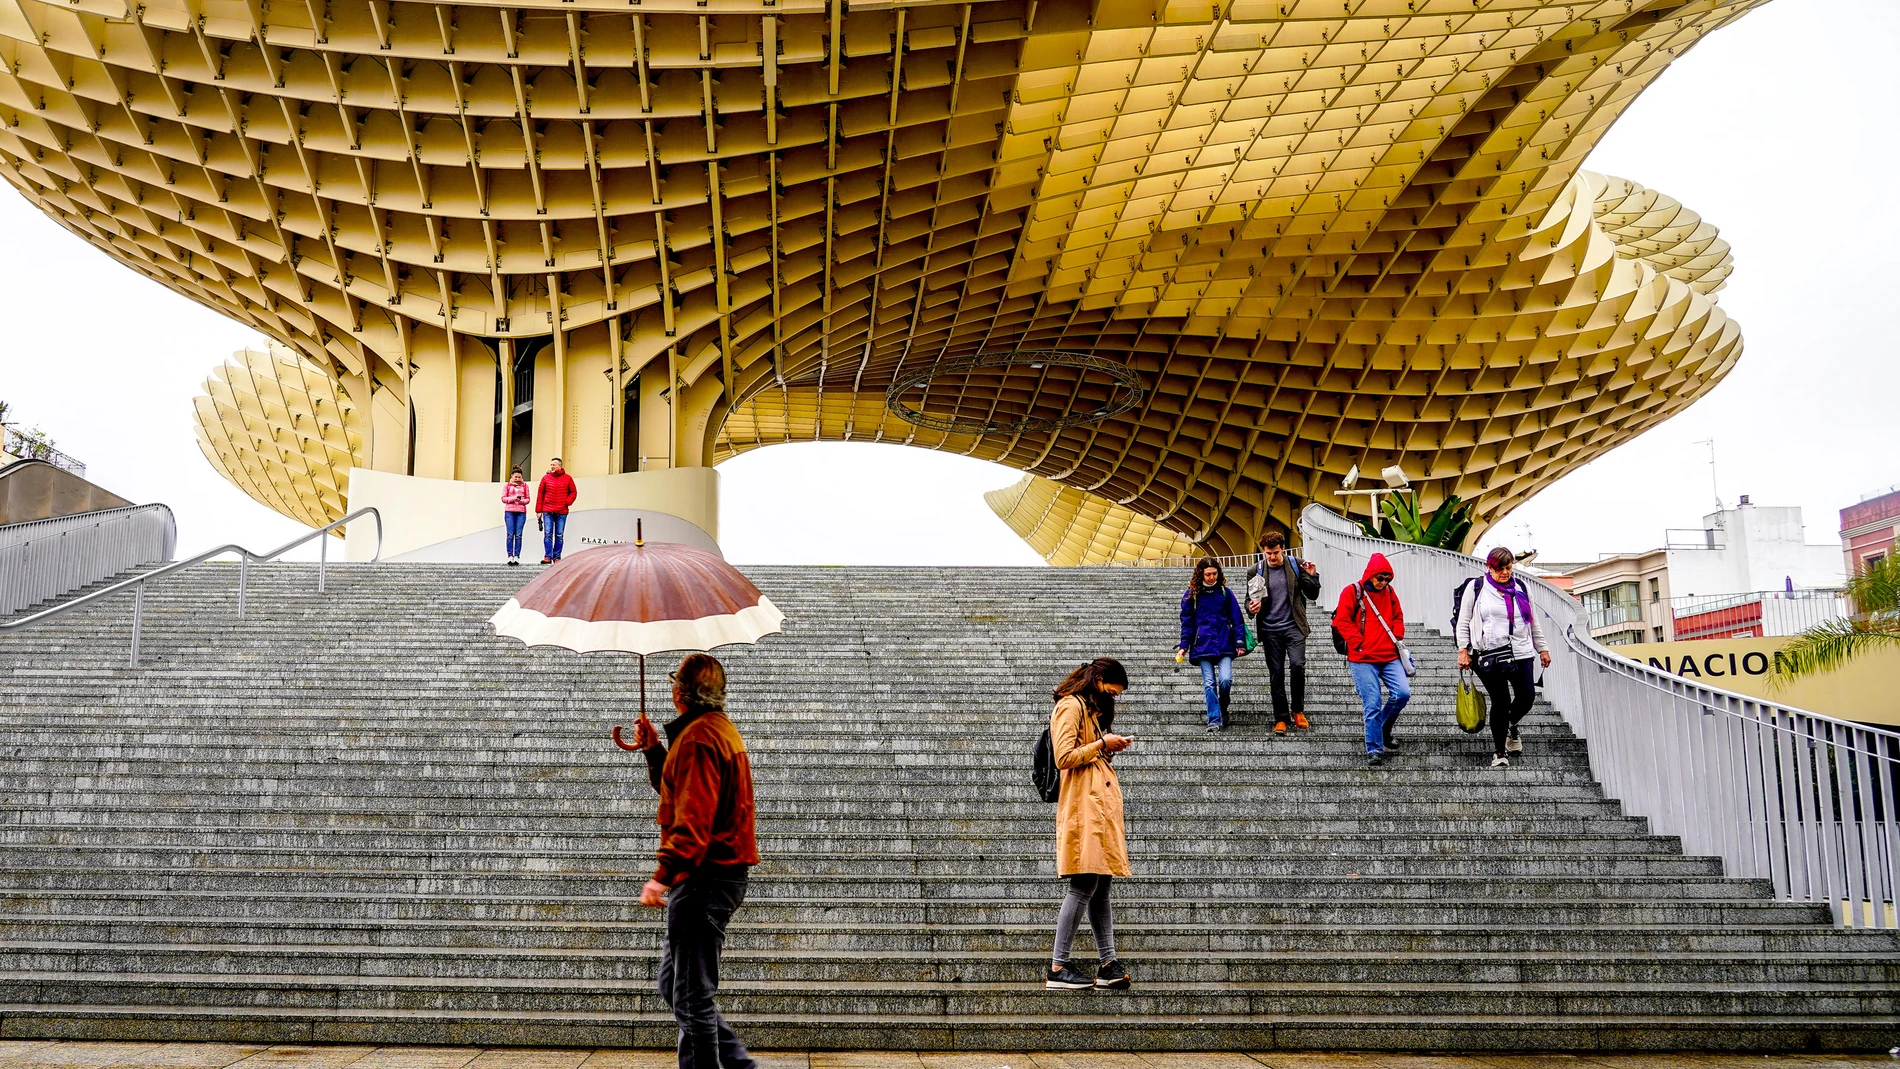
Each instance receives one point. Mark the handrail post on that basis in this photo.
(138, 620)
(323, 559)
(244, 569)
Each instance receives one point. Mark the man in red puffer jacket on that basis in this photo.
(1372, 624)
(551, 501)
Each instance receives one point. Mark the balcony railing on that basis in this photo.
(1622, 612)
(26, 447)
(1760, 613)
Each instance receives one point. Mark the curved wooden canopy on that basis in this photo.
(1318, 234)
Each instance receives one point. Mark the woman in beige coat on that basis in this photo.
(1091, 844)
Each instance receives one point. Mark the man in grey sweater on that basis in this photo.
(1278, 587)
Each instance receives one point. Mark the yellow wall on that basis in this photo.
(1867, 690)
(590, 402)
(475, 412)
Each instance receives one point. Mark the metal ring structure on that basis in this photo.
(1126, 393)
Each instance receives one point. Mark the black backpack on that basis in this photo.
(1458, 598)
(1358, 612)
(1047, 778)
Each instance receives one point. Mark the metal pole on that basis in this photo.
(244, 571)
(138, 620)
(323, 559)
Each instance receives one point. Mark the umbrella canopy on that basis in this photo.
(639, 598)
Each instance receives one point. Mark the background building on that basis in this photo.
(1747, 572)
(1868, 529)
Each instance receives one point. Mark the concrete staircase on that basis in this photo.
(362, 817)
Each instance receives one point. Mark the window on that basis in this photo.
(1620, 638)
(1659, 634)
(1655, 590)
(1616, 604)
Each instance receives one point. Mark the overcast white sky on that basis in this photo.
(1778, 129)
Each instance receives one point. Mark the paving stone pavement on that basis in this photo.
(54, 1054)
(363, 818)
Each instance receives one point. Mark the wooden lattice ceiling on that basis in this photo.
(1317, 233)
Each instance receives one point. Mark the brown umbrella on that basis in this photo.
(640, 598)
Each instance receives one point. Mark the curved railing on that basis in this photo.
(136, 584)
(41, 559)
(1778, 793)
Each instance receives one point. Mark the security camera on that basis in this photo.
(1395, 477)
(1352, 476)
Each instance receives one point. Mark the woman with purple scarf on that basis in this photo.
(1498, 636)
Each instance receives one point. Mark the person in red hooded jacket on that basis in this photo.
(1372, 624)
(551, 500)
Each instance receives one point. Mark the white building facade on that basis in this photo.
(1749, 571)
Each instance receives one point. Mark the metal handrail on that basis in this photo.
(137, 583)
(1808, 802)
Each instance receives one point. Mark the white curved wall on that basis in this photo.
(452, 520)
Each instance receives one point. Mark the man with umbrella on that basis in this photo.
(640, 599)
(706, 847)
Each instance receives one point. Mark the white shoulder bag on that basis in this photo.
(1405, 655)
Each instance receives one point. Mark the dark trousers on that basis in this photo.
(1286, 651)
(696, 915)
(1512, 687)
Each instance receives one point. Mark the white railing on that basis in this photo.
(136, 584)
(41, 559)
(1778, 793)
(1186, 564)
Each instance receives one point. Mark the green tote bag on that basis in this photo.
(1471, 705)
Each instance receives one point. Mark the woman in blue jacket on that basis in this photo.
(1213, 633)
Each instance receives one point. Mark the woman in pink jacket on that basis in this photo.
(514, 513)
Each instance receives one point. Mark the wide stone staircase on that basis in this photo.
(361, 817)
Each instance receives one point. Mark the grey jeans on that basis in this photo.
(696, 914)
(1090, 892)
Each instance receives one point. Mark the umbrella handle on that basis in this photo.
(622, 743)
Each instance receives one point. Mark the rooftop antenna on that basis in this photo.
(1713, 485)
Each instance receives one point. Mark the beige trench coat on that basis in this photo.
(1090, 835)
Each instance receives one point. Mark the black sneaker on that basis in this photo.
(1374, 760)
(1213, 725)
(547, 560)
(1067, 979)
(1392, 746)
(1112, 977)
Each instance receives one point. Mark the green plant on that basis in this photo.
(1402, 521)
(1832, 644)
(30, 445)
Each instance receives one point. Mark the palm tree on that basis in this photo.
(1830, 645)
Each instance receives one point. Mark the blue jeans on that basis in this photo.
(1380, 714)
(553, 532)
(1217, 683)
(516, 522)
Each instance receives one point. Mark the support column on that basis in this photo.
(507, 407)
(616, 420)
(559, 399)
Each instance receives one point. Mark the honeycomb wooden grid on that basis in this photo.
(1320, 233)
